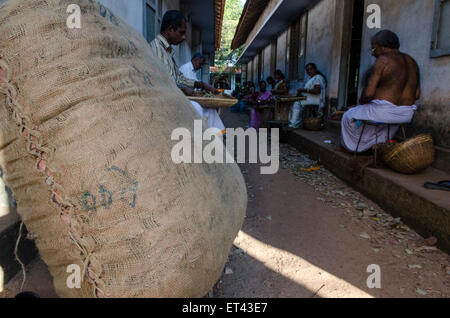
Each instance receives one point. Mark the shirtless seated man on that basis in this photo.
(389, 96)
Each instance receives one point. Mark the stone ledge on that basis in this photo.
(426, 211)
(442, 161)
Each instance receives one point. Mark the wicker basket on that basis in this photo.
(411, 156)
(313, 123)
(222, 100)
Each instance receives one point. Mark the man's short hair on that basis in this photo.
(172, 19)
(198, 56)
(387, 38)
(279, 73)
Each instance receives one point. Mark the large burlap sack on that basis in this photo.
(86, 117)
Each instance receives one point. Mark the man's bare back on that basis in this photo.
(395, 78)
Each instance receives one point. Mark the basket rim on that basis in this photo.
(211, 98)
(214, 102)
(396, 149)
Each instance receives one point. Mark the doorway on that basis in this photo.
(355, 52)
(350, 78)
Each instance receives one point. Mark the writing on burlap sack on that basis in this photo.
(86, 116)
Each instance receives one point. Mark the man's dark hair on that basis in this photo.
(313, 65)
(279, 73)
(270, 79)
(172, 19)
(387, 38)
(198, 56)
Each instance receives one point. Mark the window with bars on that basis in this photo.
(440, 45)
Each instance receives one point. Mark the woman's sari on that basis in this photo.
(296, 113)
(256, 115)
(316, 99)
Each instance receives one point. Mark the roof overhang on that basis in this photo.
(207, 16)
(219, 7)
(281, 17)
(250, 15)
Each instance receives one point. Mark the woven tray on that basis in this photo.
(291, 99)
(223, 100)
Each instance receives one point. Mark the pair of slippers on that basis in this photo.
(442, 185)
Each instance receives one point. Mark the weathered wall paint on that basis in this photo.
(130, 10)
(267, 61)
(281, 52)
(324, 41)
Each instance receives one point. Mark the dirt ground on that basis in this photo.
(307, 234)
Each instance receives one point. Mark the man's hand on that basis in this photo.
(187, 91)
(207, 87)
(210, 88)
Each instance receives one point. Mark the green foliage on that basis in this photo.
(225, 56)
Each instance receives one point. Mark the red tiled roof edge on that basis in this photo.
(219, 9)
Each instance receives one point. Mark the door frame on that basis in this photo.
(346, 53)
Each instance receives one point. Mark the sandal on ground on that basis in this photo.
(442, 185)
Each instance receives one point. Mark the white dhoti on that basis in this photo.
(210, 115)
(379, 111)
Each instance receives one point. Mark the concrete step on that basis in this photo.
(426, 211)
(441, 162)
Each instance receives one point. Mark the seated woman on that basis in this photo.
(280, 87)
(271, 81)
(261, 102)
(314, 92)
(245, 98)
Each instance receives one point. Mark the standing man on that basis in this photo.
(173, 32)
(392, 89)
(191, 68)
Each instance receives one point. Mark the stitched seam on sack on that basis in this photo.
(41, 153)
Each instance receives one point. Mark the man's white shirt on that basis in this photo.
(188, 71)
(211, 116)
